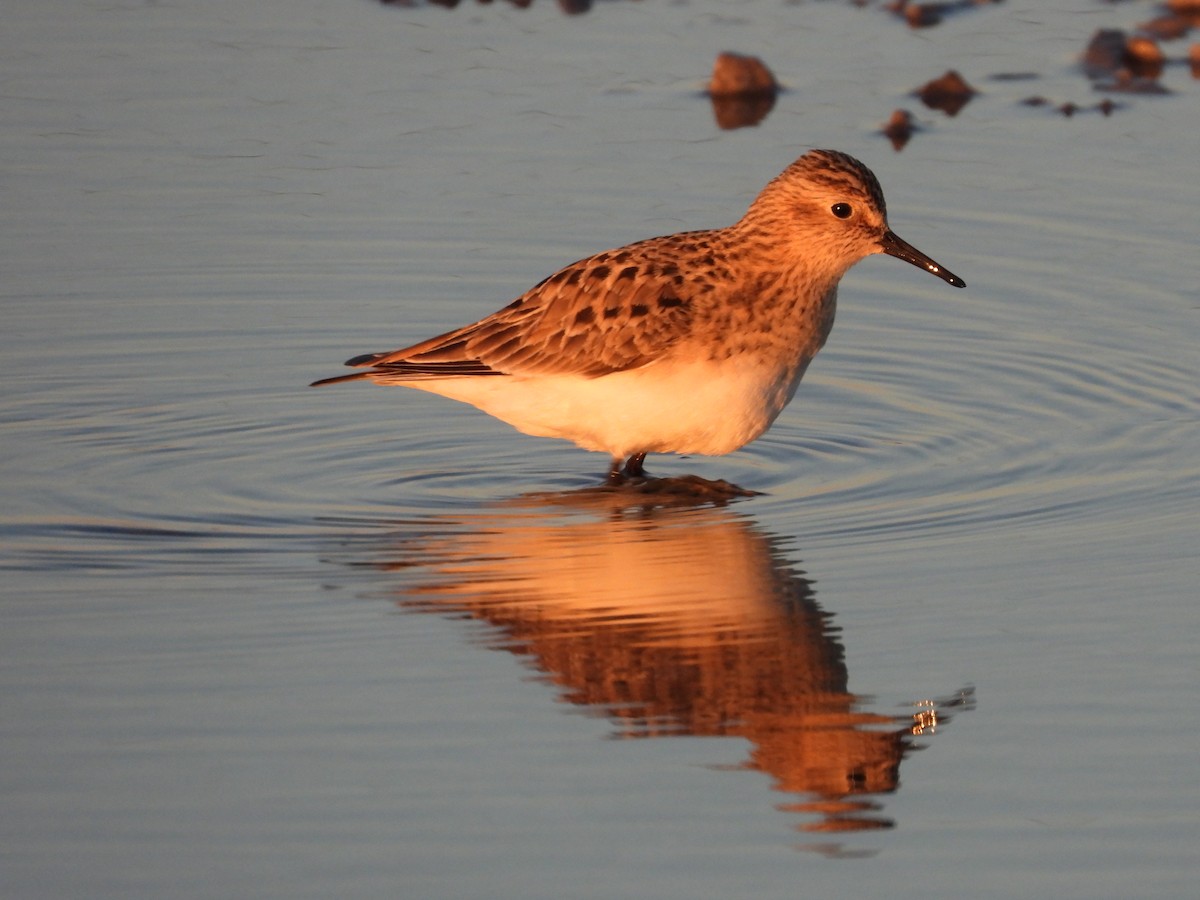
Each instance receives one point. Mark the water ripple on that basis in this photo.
(985, 431)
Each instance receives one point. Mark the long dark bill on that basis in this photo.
(893, 246)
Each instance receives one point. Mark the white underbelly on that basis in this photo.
(704, 407)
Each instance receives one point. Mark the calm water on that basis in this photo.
(265, 641)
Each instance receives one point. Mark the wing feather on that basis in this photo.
(617, 310)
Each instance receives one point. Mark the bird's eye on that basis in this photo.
(842, 210)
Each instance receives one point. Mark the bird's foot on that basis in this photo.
(633, 470)
(630, 475)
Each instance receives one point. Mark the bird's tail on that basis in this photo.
(365, 360)
(357, 376)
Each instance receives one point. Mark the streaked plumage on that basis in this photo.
(688, 343)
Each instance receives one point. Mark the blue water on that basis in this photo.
(265, 641)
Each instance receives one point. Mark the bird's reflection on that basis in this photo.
(671, 619)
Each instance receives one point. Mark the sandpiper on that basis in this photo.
(688, 343)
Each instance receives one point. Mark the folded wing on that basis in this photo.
(618, 310)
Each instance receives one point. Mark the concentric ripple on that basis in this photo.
(898, 433)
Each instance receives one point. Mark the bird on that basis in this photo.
(689, 343)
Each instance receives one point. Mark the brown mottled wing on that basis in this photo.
(614, 311)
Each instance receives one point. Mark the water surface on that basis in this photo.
(265, 641)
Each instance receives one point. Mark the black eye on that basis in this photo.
(842, 210)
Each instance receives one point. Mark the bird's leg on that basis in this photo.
(633, 466)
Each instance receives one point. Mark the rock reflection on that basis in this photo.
(671, 621)
(741, 110)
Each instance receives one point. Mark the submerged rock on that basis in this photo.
(1188, 8)
(1113, 53)
(734, 74)
(742, 90)
(1143, 57)
(950, 93)
(1127, 83)
(1104, 53)
(1166, 28)
(899, 128)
